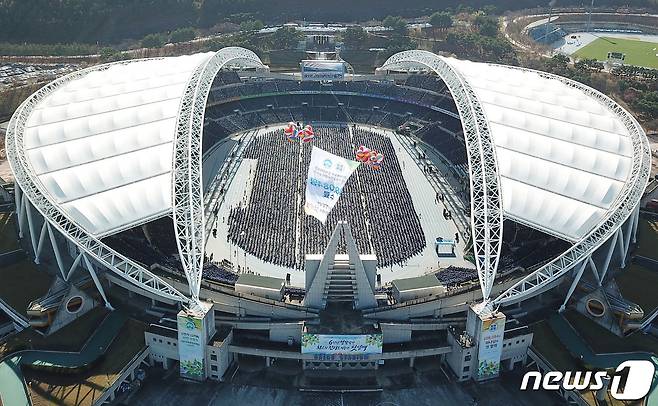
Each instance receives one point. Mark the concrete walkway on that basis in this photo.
(579, 349)
(96, 346)
(12, 384)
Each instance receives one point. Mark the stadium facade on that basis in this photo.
(125, 146)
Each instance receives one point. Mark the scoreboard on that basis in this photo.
(323, 70)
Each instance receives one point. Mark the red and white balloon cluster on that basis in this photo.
(295, 133)
(369, 157)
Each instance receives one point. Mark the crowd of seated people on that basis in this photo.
(265, 227)
(215, 272)
(350, 206)
(396, 228)
(454, 276)
(376, 203)
(294, 293)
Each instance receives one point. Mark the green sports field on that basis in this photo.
(639, 53)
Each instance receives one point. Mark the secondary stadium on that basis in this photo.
(171, 178)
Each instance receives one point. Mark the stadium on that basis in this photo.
(171, 179)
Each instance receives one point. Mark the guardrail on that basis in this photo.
(572, 397)
(108, 394)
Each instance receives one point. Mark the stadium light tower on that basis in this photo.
(589, 17)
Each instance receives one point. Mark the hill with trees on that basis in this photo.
(111, 21)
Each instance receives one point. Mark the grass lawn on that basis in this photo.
(601, 340)
(8, 240)
(550, 347)
(647, 234)
(84, 389)
(638, 284)
(21, 283)
(639, 53)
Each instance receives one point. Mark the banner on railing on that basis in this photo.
(342, 344)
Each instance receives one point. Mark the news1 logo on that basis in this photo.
(631, 381)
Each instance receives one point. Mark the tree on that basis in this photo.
(154, 40)
(182, 35)
(479, 47)
(489, 9)
(560, 60)
(589, 64)
(648, 103)
(286, 38)
(464, 9)
(252, 25)
(440, 21)
(488, 27)
(355, 37)
(110, 54)
(396, 24)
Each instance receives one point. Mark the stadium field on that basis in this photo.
(639, 53)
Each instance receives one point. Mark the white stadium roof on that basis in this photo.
(102, 145)
(94, 152)
(563, 156)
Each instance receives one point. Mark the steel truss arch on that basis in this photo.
(627, 201)
(34, 190)
(486, 201)
(187, 188)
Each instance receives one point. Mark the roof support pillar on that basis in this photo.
(76, 262)
(608, 257)
(621, 248)
(30, 224)
(42, 238)
(17, 199)
(595, 271)
(636, 221)
(97, 282)
(58, 255)
(576, 279)
(20, 210)
(629, 233)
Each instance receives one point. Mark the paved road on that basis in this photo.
(174, 392)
